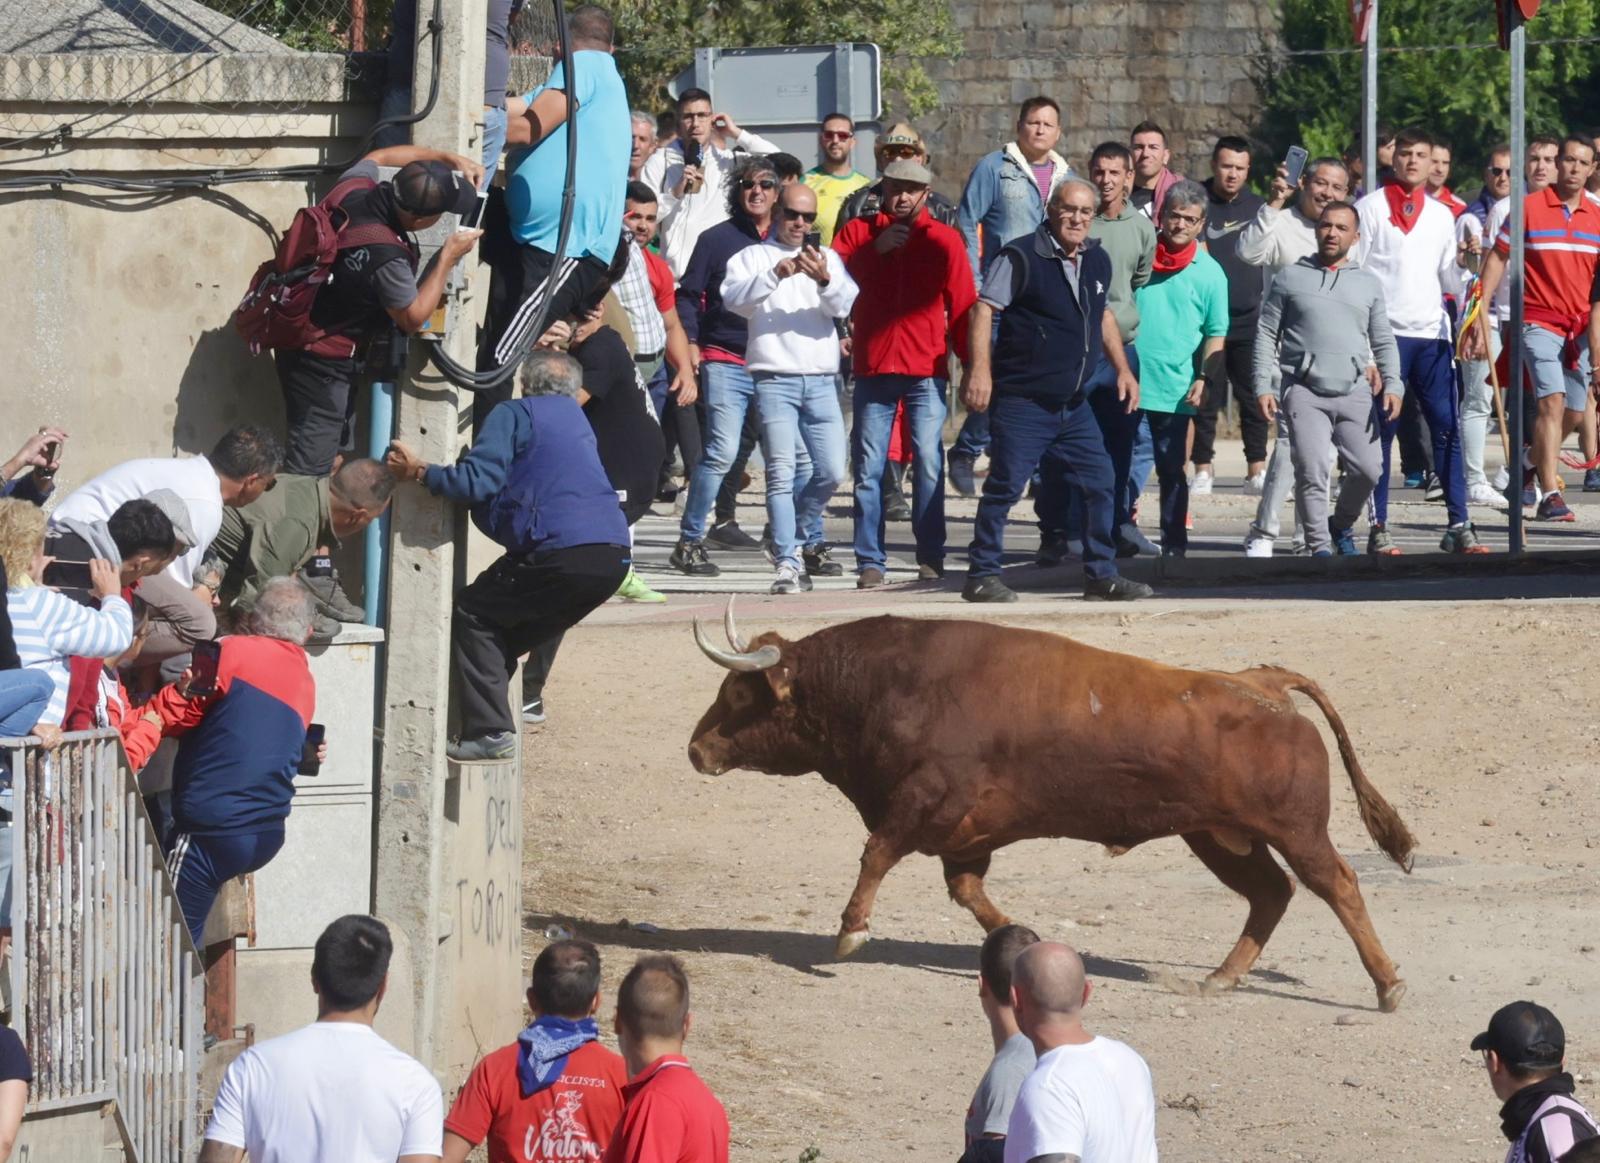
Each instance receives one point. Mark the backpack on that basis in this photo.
(276, 311)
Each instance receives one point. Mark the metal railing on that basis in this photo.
(107, 990)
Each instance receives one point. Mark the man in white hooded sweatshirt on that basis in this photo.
(792, 290)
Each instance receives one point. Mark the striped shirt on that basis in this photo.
(50, 628)
(1562, 247)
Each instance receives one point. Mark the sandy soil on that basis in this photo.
(875, 1058)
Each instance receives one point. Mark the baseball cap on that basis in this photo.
(429, 188)
(900, 133)
(1526, 1036)
(177, 512)
(906, 170)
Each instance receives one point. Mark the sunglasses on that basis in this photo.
(1498, 171)
(837, 135)
(901, 150)
(804, 215)
(751, 184)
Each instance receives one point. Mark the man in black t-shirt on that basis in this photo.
(1231, 207)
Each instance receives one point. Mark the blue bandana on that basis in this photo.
(543, 1047)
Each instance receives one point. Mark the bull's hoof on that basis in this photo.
(850, 942)
(1218, 982)
(1389, 997)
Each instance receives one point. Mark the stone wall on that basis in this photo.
(1184, 63)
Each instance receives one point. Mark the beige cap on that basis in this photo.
(901, 133)
(906, 170)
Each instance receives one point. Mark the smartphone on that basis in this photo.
(203, 667)
(691, 153)
(814, 239)
(68, 575)
(52, 452)
(470, 220)
(316, 733)
(1294, 162)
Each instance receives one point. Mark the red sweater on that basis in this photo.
(913, 300)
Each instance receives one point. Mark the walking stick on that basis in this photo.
(1494, 386)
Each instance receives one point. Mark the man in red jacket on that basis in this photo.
(916, 286)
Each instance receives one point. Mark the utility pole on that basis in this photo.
(447, 859)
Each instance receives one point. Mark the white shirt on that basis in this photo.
(791, 320)
(331, 1092)
(1094, 1101)
(1276, 239)
(1415, 268)
(191, 477)
(684, 220)
(1500, 309)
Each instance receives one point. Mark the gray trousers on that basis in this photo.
(1316, 424)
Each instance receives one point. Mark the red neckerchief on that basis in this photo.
(1405, 208)
(1451, 203)
(1171, 261)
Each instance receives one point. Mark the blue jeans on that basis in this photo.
(1022, 432)
(1059, 509)
(494, 142)
(1169, 440)
(795, 411)
(24, 694)
(1143, 461)
(657, 387)
(973, 439)
(201, 865)
(875, 401)
(1427, 367)
(728, 392)
(396, 102)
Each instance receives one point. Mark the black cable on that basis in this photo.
(475, 381)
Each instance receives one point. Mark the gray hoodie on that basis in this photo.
(1318, 326)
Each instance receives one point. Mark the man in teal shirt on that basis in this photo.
(1183, 321)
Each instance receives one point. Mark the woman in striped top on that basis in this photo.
(49, 628)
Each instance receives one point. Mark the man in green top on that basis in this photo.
(279, 533)
(1183, 311)
(835, 179)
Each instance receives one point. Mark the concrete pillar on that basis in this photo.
(429, 817)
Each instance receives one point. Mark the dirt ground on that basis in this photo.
(875, 1058)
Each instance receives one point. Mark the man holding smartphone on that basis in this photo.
(792, 290)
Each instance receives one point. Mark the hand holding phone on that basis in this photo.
(1294, 164)
(203, 667)
(311, 753)
(813, 240)
(473, 217)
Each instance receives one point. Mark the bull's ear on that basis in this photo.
(781, 679)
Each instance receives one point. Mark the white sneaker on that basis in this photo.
(1483, 493)
(1502, 478)
(1257, 546)
(1201, 485)
(1253, 485)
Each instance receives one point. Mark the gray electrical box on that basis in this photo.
(783, 92)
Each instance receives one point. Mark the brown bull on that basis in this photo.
(956, 738)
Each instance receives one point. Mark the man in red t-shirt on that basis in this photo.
(671, 1116)
(555, 1094)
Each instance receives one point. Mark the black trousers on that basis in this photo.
(1236, 354)
(680, 428)
(319, 401)
(517, 605)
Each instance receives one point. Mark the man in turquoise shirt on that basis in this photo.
(1183, 321)
(523, 262)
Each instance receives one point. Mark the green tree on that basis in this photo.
(1462, 94)
(658, 37)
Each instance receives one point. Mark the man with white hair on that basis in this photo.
(644, 142)
(1090, 1098)
(536, 487)
(240, 748)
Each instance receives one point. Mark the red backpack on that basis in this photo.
(276, 311)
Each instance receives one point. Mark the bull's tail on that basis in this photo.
(1383, 822)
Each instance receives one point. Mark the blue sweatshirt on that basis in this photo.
(707, 322)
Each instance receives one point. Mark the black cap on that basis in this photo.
(1526, 1036)
(429, 188)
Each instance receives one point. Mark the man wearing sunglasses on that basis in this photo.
(834, 178)
(900, 142)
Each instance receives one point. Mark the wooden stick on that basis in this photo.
(1499, 405)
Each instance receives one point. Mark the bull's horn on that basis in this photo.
(744, 660)
(734, 640)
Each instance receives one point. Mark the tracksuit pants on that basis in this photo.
(201, 863)
(1316, 424)
(1427, 367)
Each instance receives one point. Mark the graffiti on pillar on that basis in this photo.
(482, 910)
(488, 858)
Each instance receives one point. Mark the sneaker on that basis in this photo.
(818, 563)
(1414, 480)
(1530, 489)
(787, 581)
(1591, 480)
(1052, 549)
(533, 711)
(1256, 545)
(634, 589)
(728, 535)
(1132, 543)
(689, 557)
(869, 579)
(960, 475)
(987, 589)
(1174, 551)
(1344, 541)
(1502, 479)
(324, 628)
(331, 598)
(1188, 520)
(1201, 485)
(929, 570)
(1553, 508)
(1462, 539)
(1482, 493)
(1380, 544)
(1432, 487)
(497, 747)
(1115, 589)
(1255, 483)
(1322, 553)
